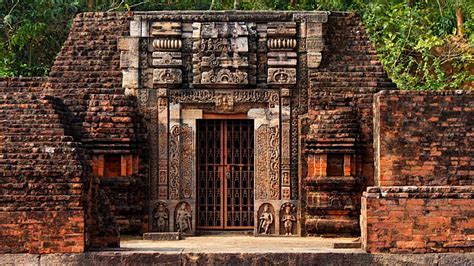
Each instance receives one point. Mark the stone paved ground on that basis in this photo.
(239, 244)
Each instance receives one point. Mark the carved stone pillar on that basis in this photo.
(163, 125)
(285, 144)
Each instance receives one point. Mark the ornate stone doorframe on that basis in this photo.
(183, 65)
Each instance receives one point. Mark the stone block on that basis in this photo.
(314, 30)
(129, 60)
(163, 236)
(166, 29)
(131, 44)
(130, 78)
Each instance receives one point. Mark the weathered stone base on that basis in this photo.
(157, 236)
(176, 258)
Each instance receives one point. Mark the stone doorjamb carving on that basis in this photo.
(156, 62)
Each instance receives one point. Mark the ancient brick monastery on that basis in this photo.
(282, 123)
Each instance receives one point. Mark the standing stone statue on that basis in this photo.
(161, 218)
(288, 218)
(183, 219)
(266, 220)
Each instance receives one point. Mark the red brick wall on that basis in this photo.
(424, 138)
(41, 231)
(418, 219)
(41, 172)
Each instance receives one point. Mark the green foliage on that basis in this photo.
(416, 39)
(417, 46)
(32, 33)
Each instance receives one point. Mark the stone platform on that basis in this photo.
(236, 250)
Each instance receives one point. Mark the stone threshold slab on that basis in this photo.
(158, 258)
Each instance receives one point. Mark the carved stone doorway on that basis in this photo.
(225, 174)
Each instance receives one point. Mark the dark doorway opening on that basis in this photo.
(225, 174)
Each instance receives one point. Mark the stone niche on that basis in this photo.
(191, 66)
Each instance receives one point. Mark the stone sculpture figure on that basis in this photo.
(288, 218)
(161, 217)
(266, 220)
(183, 219)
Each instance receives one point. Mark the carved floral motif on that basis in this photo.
(220, 53)
(181, 161)
(281, 76)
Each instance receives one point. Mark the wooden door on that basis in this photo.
(225, 185)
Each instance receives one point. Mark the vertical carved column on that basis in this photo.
(163, 143)
(174, 150)
(262, 66)
(285, 144)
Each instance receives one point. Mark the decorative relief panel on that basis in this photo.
(166, 76)
(161, 217)
(288, 219)
(167, 59)
(272, 97)
(183, 218)
(262, 185)
(266, 219)
(281, 76)
(166, 52)
(186, 161)
(274, 169)
(181, 162)
(221, 53)
(282, 58)
(174, 162)
(267, 154)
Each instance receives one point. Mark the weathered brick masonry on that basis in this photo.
(42, 174)
(424, 138)
(344, 84)
(87, 76)
(418, 219)
(425, 146)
